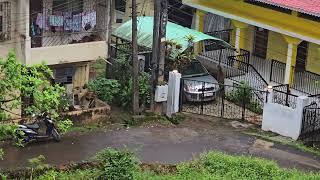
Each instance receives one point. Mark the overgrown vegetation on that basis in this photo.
(243, 95)
(106, 89)
(1, 154)
(176, 59)
(117, 165)
(123, 165)
(65, 126)
(30, 88)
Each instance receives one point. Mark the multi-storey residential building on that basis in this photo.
(65, 34)
(283, 37)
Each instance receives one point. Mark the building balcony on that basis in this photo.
(69, 53)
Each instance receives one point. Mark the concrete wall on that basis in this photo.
(284, 120)
(18, 29)
(69, 53)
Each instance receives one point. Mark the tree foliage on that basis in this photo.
(18, 81)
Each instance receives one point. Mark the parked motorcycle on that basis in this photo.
(30, 132)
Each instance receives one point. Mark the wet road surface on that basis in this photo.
(163, 145)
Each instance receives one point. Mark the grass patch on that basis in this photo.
(285, 141)
(212, 165)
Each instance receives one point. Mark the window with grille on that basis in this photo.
(5, 21)
(261, 42)
(302, 56)
(64, 75)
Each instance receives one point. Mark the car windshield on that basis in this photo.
(194, 69)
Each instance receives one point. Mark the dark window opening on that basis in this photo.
(302, 55)
(261, 42)
(5, 21)
(269, 6)
(180, 14)
(121, 5)
(309, 17)
(63, 75)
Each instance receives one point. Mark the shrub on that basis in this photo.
(7, 131)
(243, 96)
(1, 154)
(117, 165)
(106, 89)
(64, 126)
(144, 87)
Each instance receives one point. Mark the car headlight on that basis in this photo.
(190, 88)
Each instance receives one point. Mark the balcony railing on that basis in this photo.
(75, 23)
(304, 81)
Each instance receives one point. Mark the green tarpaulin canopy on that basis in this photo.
(175, 33)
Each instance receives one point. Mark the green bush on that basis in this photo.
(76, 175)
(242, 96)
(117, 165)
(65, 125)
(106, 89)
(1, 154)
(144, 87)
(7, 131)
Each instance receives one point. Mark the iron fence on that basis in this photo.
(278, 71)
(235, 101)
(307, 82)
(282, 95)
(310, 131)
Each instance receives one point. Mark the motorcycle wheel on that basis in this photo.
(56, 136)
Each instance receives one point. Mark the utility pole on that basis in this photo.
(159, 48)
(162, 38)
(155, 51)
(109, 18)
(136, 107)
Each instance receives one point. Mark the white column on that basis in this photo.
(237, 41)
(288, 64)
(173, 93)
(238, 34)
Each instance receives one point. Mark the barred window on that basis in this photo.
(5, 21)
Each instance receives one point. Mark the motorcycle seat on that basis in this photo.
(32, 126)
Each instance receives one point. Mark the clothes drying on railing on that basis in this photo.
(66, 21)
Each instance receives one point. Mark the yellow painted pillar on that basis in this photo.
(240, 39)
(291, 58)
(199, 26)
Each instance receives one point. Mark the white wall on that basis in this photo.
(284, 120)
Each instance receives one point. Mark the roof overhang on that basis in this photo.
(175, 33)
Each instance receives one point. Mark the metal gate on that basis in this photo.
(310, 131)
(237, 101)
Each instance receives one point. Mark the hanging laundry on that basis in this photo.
(56, 20)
(67, 21)
(76, 22)
(42, 21)
(89, 20)
(33, 31)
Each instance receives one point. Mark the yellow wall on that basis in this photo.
(287, 22)
(313, 61)
(277, 47)
(246, 36)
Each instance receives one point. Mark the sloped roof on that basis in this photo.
(175, 33)
(311, 7)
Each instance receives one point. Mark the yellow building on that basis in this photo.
(282, 36)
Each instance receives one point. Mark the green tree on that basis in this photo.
(30, 82)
